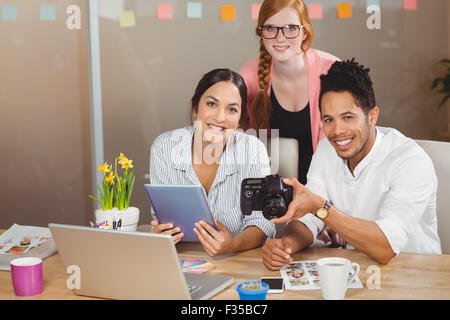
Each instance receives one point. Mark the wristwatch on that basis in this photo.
(322, 213)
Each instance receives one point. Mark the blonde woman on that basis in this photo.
(283, 83)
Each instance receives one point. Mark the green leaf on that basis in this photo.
(444, 101)
(130, 190)
(99, 202)
(435, 83)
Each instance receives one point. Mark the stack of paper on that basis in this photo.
(25, 241)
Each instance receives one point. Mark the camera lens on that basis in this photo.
(274, 207)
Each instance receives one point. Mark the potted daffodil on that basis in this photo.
(114, 195)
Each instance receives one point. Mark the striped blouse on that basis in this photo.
(244, 157)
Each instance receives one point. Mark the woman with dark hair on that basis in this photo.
(283, 83)
(214, 154)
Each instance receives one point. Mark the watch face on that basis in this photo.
(322, 213)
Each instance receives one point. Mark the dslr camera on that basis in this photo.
(269, 195)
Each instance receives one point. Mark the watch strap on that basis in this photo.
(327, 205)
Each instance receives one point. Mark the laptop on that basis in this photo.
(130, 265)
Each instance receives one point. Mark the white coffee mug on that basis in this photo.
(334, 276)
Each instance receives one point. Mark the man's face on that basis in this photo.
(349, 130)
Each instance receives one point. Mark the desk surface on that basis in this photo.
(409, 276)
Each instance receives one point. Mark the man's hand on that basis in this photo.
(276, 253)
(304, 202)
(328, 235)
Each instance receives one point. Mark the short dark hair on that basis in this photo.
(352, 77)
(218, 75)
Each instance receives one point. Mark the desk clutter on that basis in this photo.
(108, 225)
(25, 241)
(304, 275)
(195, 266)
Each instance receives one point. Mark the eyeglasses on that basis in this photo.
(290, 31)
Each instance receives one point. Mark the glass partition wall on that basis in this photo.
(150, 66)
(45, 136)
(141, 71)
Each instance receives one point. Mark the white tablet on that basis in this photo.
(181, 205)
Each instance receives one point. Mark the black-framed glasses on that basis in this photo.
(289, 31)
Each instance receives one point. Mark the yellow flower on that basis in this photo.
(122, 158)
(104, 168)
(110, 179)
(127, 164)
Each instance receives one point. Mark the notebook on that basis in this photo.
(130, 265)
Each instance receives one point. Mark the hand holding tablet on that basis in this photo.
(169, 229)
(181, 206)
(215, 241)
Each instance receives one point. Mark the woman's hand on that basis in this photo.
(216, 241)
(167, 228)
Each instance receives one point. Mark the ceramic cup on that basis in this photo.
(334, 276)
(26, 274)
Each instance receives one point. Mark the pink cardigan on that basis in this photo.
(318, 63)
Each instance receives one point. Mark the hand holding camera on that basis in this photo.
(273, 195)
(269, 195)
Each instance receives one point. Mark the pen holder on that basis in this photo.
(245, 294)
(130, 217)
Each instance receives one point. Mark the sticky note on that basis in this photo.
(344, 10)
(255, 7)
(164, 11)
(315, 11)
(370, 3)
(228, 13)
(47, 12)
(194, 10)
(410, 4)
(127, 19)
(9, 12)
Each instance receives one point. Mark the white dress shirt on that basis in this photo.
(394, 185)
(244, 157)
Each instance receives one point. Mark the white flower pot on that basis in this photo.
(130, 217)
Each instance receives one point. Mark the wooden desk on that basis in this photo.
(409, 276)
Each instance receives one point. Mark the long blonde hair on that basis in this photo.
(262, 108)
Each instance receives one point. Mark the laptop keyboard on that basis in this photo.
(193, 289)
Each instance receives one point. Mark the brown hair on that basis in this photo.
(220, 75)
(262, 108)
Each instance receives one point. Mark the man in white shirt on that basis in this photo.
(370, 187)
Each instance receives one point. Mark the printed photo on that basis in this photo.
(304, 275)
(17, 250)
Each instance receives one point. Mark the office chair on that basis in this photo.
(285, 163)
(439, 153)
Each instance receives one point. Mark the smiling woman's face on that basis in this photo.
(219, 111)
(281, 48)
